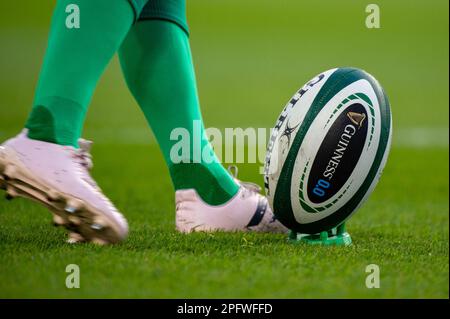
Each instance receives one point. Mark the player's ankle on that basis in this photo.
(43, 136)
(56, 120)
(215, 187)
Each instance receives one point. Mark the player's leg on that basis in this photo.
(73, 63)
(44, 162)
(156, 60)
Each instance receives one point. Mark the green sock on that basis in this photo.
(73, 63)
(156, 61)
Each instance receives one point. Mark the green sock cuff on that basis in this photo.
(214, 190)
(138, 6)
(170, 10)
(52, 120)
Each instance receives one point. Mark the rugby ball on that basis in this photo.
(327, 150)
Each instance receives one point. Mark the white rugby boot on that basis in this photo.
(58, 177)
(246, 211)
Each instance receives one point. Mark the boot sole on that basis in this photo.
(74, 214)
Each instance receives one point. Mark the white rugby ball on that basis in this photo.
(327, 150)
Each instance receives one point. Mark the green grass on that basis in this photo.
(403, 229)
(250, 59)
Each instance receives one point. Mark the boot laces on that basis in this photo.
(252, 187)
(83, 157)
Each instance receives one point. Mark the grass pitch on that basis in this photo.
(250, 57)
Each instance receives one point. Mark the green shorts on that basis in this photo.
(171, 10)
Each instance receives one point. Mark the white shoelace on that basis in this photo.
(83, 153)
(255, 188)
(83, 157)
